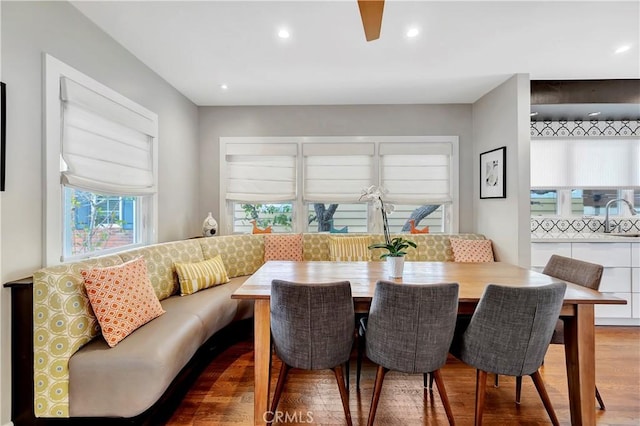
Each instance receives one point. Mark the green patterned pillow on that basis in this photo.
(200, 275)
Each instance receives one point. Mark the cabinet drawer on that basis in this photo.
(635, 280)
(615, 311)
(635, 255)
(616, 280)
(541, 252)
(605, 254)
(635, 305)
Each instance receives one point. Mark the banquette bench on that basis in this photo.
(77, 375)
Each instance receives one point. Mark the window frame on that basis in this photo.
(146, 206)
(451, 210)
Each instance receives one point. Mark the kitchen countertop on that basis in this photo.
(583, 238)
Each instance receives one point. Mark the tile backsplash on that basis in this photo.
(543, 226)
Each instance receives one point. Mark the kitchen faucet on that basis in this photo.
(607, 225)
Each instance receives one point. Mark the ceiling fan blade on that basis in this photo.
(371, 13)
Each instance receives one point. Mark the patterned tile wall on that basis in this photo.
(544, 226)
(564, 128)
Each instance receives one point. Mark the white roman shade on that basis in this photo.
(261, 172)
(416, 173)
(107, 146)
(337, 172)
(585, 163)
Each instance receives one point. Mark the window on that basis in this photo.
(324, 217)
(544, 202)
(431, 215)
(101, 167)
(278, 216)
(578, 177)
(319, 180)
(98, 222)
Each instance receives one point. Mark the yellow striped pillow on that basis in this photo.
(200, 275)
(345, 249)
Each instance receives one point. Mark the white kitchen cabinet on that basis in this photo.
(605, 254)
(616, 280)
(541, 252)
(620, 278)
(615, 311)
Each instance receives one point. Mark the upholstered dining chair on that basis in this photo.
(312, 329)
(575, 271)
(509, 334)
(409, 329)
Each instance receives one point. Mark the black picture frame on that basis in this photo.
(3, 134)
(493, 173)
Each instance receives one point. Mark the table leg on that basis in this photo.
(579, 341)
(262, 357)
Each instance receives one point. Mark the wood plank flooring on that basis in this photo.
(223, 395)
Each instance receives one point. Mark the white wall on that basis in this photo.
(501, 118)
(5, 324)
(350, 120)
(57, 28)
(28, 30)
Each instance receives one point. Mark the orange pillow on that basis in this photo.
(471, 250)
(283, 247)
(122, 298)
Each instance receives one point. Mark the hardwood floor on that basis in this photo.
(223, 395)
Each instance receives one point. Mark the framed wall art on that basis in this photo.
(493, 173)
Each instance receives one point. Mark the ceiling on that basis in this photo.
(463, 49)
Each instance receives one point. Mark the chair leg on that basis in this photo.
(518, 389)
(282, 377)
(427, 381)
(343, 393)
(360, 346)
(346, 374)
(481, 389)
(496, 384)
(377, 389)
(443, 395)
(542, 391)
(600, 401)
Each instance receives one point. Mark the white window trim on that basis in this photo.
(53, 70)
(452, 211)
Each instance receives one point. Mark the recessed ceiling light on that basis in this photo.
(413, 32)
(594, 114)
(224, 87)
(284, 33)
(623, 49)
(533, 114)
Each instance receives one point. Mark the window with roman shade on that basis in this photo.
(337, 172)
(416, 173)
(100, 174)
(106, 147)
(585, 163)
(260, 172)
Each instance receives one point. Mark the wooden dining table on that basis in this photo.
(577, 311)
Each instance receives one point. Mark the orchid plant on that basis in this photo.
(396, 247)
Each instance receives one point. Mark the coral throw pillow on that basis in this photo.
(345, 249)
(200, 275)
(283, 247)
(122, 298)
(471, 250)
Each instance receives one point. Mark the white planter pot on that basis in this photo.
(395, 266)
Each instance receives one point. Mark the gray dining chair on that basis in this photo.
(410, 329)
(509, 334)
(578, 272)
(312, 329)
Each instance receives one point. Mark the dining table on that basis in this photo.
(577, 311)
